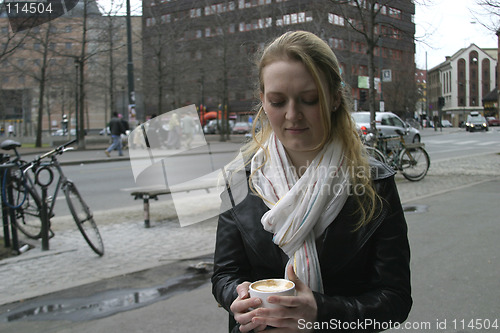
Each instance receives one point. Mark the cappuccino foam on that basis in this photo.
(272, 285)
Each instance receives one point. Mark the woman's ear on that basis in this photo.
(337, 99)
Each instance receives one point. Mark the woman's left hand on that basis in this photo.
(286, 318)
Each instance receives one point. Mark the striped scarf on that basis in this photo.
(300, 208)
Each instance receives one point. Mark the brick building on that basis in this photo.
(463, 80)
(56, 47)
(202, 52)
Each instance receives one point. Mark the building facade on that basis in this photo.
(463, 80)
(203, 52)
(46, 59)
(421, 80)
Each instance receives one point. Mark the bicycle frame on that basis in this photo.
(37, 186)
(411, 159)
(61, 182)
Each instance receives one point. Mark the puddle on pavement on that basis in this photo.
(105, 303)
(414, 209)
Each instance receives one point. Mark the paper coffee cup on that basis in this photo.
(271, 287)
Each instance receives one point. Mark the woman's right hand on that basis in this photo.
(242, 309)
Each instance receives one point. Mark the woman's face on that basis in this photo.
(291, 102)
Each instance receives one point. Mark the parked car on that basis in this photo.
(386, 123)
(492, 121)
(446, 123)
(476, 122)
(105, 131)
(242, 128)
(213, 126)
(61, 132)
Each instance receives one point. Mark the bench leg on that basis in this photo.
(146, 211)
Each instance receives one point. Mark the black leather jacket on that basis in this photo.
(366, 273)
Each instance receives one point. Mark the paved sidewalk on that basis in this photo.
(95, 153)
(455, 222)
(131, 247)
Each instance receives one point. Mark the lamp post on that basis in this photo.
(76, 97)
(130, 64)
(123, 102)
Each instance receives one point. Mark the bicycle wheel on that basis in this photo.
(376, 154)
(83, 218)
(414, 163)
(26, 204)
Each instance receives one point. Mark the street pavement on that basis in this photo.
(161, 273)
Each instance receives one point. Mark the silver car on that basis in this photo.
(386, 123)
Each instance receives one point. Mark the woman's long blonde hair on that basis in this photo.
(322, 63)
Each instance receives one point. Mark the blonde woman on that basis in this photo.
(318, 211)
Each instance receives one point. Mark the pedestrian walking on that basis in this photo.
(188, 126)
(174, 132)
(10, 130)
(125, 127)
(318, 211)
(117, 129)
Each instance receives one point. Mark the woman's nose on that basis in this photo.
(293, 112)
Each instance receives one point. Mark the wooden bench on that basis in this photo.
(147, 193)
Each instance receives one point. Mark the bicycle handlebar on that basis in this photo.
(59, 150)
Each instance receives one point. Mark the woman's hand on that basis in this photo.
(243, 309)
(286, 318)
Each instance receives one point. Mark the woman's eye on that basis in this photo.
(277, 103)
(313, 101)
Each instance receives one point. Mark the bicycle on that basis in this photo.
(410, 158)
(27, 200)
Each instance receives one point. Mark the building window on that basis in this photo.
(195, 12)
(69, 45)
(294, 18)
(167, 18)
(393, 12)
(335, 19)
(336, 43)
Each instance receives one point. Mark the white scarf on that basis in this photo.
(300, 208)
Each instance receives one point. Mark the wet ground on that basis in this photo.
(108, 297)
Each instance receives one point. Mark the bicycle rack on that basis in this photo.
(9, 212)
(44, 182)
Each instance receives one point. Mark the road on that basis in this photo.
(461, 143)
(108, 185)
(453, 239)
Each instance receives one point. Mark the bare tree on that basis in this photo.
(10, 40)
(112, 46)
(488, 9)
(365, 18)
(166, 60)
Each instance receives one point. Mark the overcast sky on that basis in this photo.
(445, 25)
(452, 25)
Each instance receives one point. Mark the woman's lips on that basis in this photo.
(296, 130)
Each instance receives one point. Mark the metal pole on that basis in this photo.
(130, 64)
(76, 99)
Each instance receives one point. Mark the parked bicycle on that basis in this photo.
(410, 158)
(28, 195)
